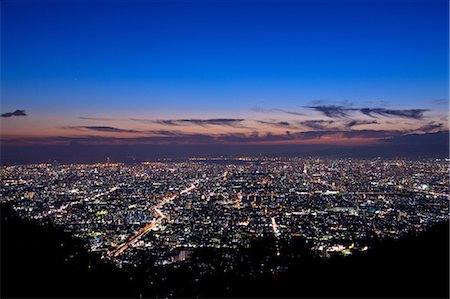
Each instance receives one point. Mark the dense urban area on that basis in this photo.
(166, 210)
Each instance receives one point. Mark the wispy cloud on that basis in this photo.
(231, 122)
(332, 111)
(102, 129)
(227, 122)
(342, 111)
(440, 102)
(353, 123)
(165, 132)
(98, 118)
(15, 113)
(317, 124)
(289, 112)
(277, 124)
(263, 110)
(406, 113)
(430, 127)
(166, 122)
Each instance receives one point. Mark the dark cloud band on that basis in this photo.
(15, 113)
(341, 111)
(227, 122)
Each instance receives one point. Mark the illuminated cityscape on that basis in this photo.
(167, 210)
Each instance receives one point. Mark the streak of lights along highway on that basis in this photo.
(121, 248)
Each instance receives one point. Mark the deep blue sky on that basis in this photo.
(294, 73)
(228, 55)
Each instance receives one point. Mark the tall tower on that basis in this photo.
(55, 165)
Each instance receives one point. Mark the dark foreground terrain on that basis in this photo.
(38, 260)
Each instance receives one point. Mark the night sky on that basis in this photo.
(236, 74)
